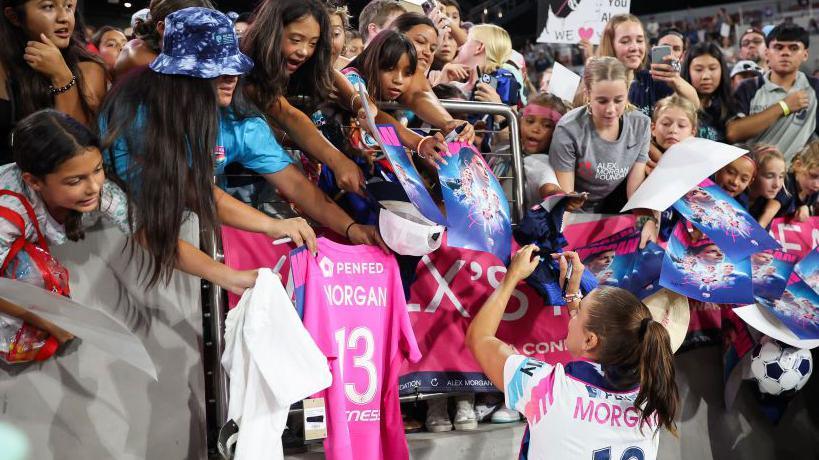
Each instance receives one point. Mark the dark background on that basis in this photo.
(101, 12)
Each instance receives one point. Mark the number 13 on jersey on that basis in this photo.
(361, 342)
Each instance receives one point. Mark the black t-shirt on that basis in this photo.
(6, 125)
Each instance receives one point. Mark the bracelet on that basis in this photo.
(53, 91)
(352, 101)
(641, 221)
(347, 232)
(571, 298)
(421, 142)
(785, 109)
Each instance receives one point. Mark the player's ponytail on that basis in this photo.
(634, 349)
(658, 391)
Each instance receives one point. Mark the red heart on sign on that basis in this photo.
(585, 32)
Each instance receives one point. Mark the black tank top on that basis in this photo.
(6, 123)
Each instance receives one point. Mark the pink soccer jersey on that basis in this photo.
(353, 305)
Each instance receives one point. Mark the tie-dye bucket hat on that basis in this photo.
(200, 43)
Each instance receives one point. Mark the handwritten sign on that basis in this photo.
(571, 21)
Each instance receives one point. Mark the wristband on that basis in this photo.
(352, 101)
(54, 91)
(347, 231)
(571, 298)
(641, 221)
(785, 109)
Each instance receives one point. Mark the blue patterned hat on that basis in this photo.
(200, 43)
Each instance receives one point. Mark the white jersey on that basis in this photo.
(574, 414)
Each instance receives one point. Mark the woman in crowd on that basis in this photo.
(705, 68)
(339, 24)
(673, 121)
(294, 57)
(164, 158)
(602, 147)
(617, 348)
(674, 39)
(801, 191)
(763, 191)
(109, 41)
(142, 50)
(624, 38)
(42, 65)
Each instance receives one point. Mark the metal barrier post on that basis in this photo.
(212, 245)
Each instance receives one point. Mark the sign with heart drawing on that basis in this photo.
(570, 21)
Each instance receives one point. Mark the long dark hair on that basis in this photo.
(28, 89)
(45, 140)
(160, 9)
(383, 53)
(263, 43)
(407, 21)
(171, 163)
(634, 349)
(722, 94)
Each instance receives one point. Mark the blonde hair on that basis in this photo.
(342, 13)
(808, 157)
(675, 101)
(606, 47)
(497, 43)
(763, 153)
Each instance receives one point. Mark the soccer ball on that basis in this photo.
(779, 368)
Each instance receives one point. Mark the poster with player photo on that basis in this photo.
(808, 269)
(645, 277)
(612, 261)
(478, 216)
(724, 220)
(408, 176)
(702, 271)
(797, 309)
(771, 272)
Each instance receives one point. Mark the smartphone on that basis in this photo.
(489, 80)
(658, 54)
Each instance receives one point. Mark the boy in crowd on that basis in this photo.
(778, 108)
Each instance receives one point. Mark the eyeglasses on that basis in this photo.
(757, 41)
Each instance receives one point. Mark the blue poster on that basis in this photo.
(724, 220)
(611, 262)
(808, 269)
(408, 176)
(702, 271)
(478, 215)
(771, 272)
(797, 309)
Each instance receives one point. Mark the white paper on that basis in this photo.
(551, 201)
(585, 21)
(93, 326)
(725, 30)
(680, 169)
(765, 322)
(564, 82)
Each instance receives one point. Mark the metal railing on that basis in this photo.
(212, 245)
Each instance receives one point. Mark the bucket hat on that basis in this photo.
(200, 43)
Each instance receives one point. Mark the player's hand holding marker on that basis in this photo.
(571, 272)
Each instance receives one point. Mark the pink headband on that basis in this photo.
(753, 162)
(538, 110)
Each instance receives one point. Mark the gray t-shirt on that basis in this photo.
(600, 166)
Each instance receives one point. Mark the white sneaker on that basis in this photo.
(437, 416)
(465, 419)
(505, 415)
(485, 404)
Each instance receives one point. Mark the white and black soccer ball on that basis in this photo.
(779, 368)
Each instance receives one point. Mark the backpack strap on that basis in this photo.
(17, 219)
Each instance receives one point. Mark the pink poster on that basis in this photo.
(451, 286)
